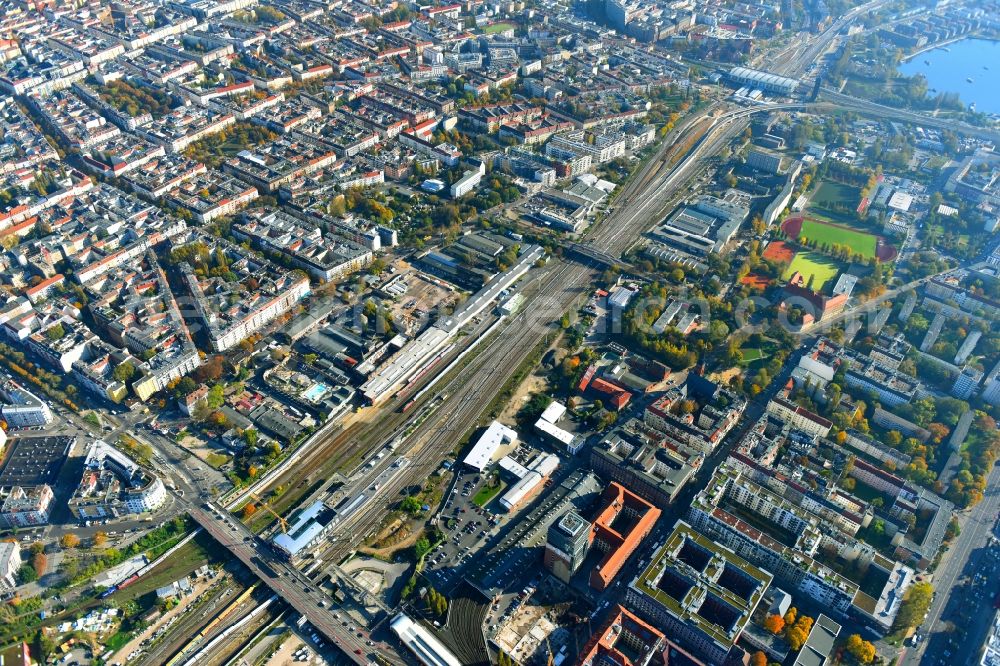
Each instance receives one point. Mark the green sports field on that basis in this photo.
(497, 28)
(813, 264)
(859, 242)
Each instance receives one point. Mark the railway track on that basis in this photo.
(471, 389)
(327, 456)
(226, 652)
(228, 604)
(470, 395)
(492, 365)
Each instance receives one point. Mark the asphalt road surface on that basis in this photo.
(975, 532)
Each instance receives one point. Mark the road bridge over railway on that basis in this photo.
(302, 594)
(589, 253)
(867, 107)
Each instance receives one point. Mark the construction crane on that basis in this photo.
(267, 507)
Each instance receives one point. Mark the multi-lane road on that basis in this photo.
(975, 532)
(297, 590)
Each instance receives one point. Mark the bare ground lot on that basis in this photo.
(422, 300)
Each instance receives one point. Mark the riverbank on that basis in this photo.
(938, 45)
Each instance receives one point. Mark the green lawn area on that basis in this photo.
(756, 352)
(829, 194)
(865, 492)
(217, 460)
(117, 641)
(486, 493)
(497, 28)
(836, 201)
(859, 242)
(821, 268)
(821, 215)
(199, 550)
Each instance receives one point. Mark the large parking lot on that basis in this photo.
(466, 526)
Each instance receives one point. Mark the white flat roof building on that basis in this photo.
(512, 467)
(486, 447)
(429, 650)
(555, 432)
(10, 562)
(303, 532)
(405, 363)
(763, 80)
(553, 412)
(547, 426)
(538, 472)
(900, 201)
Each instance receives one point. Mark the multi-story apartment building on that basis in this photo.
(956, 287)
(114, 485)
(226, 315)
(185, 125)
(626, 640)
(156, 177)
(701, 428)
(75, 123)
(137, 310)
(27, 507)
(280, 162)
(22, 145)
(208, 196)
(792, 549)
(799, 417)
(700, 593)
(21, 408)
(605, 147)
(639, 459)
(892, 387)
(324, 256)
(10, 562)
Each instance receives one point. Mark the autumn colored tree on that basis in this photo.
(790, 615)
(774, 624)
(860, 649)
(99, 539)
(69, 541)
(210, 370)
(39, 562)
(248, 510)
(218, 419)
(938, 432)
(758, 659)
(915, 604)
(796, 633)
(795, 638)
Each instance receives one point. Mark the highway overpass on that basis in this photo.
(293, 586)
(870, 108)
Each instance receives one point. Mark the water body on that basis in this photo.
(948, 69)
